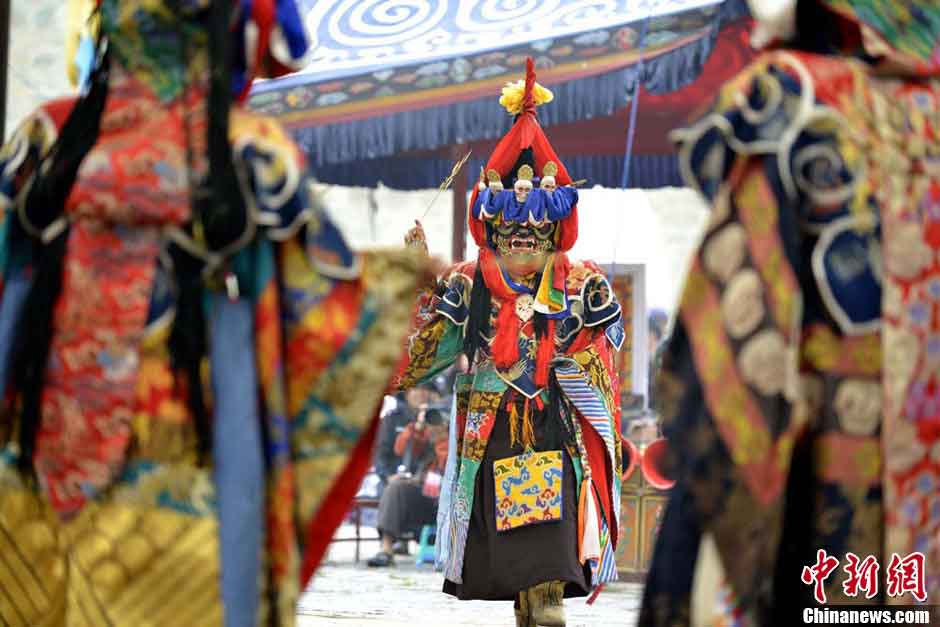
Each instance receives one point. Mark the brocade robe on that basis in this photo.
(585, 341)
(125, 527)
(801, 389)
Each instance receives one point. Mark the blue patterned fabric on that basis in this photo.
(849, 281)
(14, 295)
(539, 206)
(237, 453)
(453, 304)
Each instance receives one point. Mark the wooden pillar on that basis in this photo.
(459, 238)
(4, 62)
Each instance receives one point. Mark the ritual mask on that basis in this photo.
(522, 248)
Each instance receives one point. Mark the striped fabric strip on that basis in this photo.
(606, 570)
(458, 541)
(577, 388)
(579, 391)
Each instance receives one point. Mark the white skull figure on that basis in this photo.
(525, 307)
(548, 177)
(522, 188)
(776, 19)
(496, 186)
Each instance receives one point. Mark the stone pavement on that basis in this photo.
(345, 594)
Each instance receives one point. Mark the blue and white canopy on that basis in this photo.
(387, 77)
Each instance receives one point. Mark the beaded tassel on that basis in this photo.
(528, 431)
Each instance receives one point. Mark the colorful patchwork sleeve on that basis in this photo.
(330, 327)
(439, 337)
(729, 389)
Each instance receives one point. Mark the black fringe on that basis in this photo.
(188, 345)
(33, 342)
(221, 212)
(478, 322)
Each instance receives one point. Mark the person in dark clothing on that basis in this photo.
(410, 500)
(658, 323)
(387, 460)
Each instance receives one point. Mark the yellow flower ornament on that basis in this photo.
(514, 94)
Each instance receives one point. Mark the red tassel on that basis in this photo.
(544, 355)
(505, 346)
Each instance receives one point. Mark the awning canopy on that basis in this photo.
(385, 89)
(352, 37)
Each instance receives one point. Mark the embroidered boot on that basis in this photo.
(546, 603)
(523, 613)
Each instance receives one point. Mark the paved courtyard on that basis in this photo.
(347, 594)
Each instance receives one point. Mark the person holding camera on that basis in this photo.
(387, 457)
(411, 496)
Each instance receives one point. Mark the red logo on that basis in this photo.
(819, 572)
(863, 576)
(906, 575)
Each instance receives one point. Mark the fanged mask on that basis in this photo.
(524, 247)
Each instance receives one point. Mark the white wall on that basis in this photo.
(36, 71)
(396, 212)
(657, 228)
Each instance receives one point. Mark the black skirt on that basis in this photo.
(497, 566)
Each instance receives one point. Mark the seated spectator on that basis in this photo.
(410, 499)
(386, 460)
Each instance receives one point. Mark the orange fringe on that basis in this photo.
(521, 425)
(528, 431)
(513, 425)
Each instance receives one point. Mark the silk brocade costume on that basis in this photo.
(124, 527)
(800, 390)
(482, 554)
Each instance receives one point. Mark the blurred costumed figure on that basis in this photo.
(193, 357)
(534, 500)
(801, 389)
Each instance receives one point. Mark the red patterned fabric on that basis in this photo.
(90, 394)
